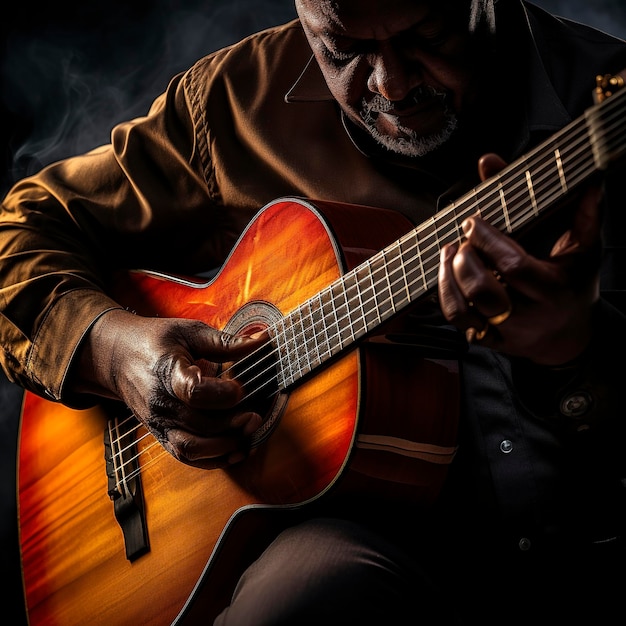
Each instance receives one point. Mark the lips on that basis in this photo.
(423, 119)
(422, 113)
(412, 109)
(421, 100)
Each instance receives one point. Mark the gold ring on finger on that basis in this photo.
(479, 335)
(501, 317)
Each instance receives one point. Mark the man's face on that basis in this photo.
(401, 69)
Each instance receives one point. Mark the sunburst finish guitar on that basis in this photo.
(114, 531)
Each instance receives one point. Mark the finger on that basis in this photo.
(489, 165)
(587, 222)
(454, 305)
(497, 250)
(196, 382)
(188, 444)
(514, 267)
(214, 345)
(586, 229)
(206, 452)
(194, 389)
(478, 283)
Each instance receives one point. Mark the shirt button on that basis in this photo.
(576, 404)
(506, 446)
(524, 544)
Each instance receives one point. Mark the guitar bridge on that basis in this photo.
(124, 484)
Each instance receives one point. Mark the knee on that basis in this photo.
(325, 571)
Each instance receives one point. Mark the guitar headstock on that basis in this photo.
(606, 86)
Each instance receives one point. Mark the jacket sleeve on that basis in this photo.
(587, 393)
(65, 231)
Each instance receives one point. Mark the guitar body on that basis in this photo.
(380, 420)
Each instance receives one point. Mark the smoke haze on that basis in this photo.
(70, 74)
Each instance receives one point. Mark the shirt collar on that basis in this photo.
(310, 86)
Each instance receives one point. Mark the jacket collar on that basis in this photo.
(310, 86)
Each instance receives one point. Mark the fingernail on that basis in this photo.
(448, 251)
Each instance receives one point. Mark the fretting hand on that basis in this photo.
(510, 301)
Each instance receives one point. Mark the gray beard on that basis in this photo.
(411, 144)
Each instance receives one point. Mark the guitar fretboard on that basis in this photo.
(365, 297)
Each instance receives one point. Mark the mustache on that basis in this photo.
(423, 94)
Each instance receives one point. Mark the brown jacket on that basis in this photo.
(174, 189)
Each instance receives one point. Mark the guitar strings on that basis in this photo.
(495, 205)
(579, 172)
(373, 284)
(119, 457)
(491, 202)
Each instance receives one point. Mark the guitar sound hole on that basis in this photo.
(259, 376)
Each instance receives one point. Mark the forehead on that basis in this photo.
(364, 18)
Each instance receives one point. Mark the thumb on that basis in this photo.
(489, 165)
(207, 352)
(587, 221)
(586, 226)
(222, 346)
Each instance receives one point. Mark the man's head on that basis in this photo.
(402, 69)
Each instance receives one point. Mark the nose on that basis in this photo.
(393, 75)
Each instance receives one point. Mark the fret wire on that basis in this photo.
(387, 263)
(330, 305)
(428, 276)
(288, 371)
(396, 278)
(300, 342)
(384, 305)
(278, 333)
(295, 343)
(413, 269)
(532, 188)
(355, 314)
(325, 342)
(369, 308)
(428, 281)
(333, 346)
(343, 313)
(531, 193)
(359, 306)
(308, 321)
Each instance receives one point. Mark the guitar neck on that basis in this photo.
(362, 299)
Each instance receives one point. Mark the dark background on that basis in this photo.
(70, 70)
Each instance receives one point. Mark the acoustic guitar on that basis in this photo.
(115, 531)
